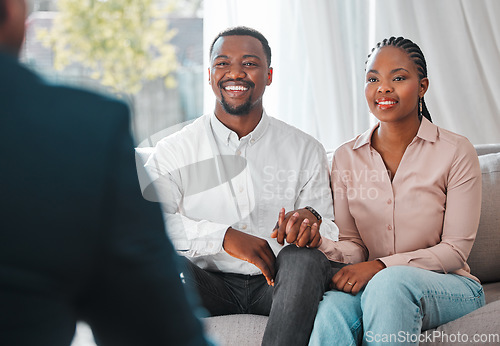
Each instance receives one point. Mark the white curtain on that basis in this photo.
(320, 47)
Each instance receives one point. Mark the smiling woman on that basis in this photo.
(413, 238)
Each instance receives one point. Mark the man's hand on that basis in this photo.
(352, 278)
(252, 249)
(299, 227)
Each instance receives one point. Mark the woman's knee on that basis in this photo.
(393, 278)
(391, 286)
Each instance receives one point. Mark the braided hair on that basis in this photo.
(416, 56)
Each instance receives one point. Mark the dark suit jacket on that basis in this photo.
(77, 240)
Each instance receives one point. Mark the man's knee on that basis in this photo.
(306, 260)
(293, 254)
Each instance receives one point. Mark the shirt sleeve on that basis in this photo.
(191, 237)
(461, 220)
(317, 194)
(350, 247)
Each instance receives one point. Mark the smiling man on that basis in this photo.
(225, 182)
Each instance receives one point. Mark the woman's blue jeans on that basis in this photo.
(394, 307)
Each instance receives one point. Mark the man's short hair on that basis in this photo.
(244, 31)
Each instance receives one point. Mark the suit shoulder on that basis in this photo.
(86, 97)
(88, 105)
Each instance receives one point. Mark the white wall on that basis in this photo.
(320, 47)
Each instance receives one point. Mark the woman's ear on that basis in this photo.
(424, 85)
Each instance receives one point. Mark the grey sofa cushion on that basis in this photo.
(480, 327)
(483, 149)
(240, 330)
(484, 259)
(492, 292)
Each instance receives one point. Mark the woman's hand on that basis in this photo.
(352, 278)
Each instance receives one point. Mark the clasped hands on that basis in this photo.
(295, 227)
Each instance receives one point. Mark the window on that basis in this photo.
(156, 105)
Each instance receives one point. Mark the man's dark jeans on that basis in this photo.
(302, 276)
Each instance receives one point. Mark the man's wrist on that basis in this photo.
(314, 212)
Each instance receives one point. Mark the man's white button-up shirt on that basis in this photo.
(208, 180)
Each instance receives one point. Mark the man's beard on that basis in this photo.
(243, 109)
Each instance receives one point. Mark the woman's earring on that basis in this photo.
(420, 108)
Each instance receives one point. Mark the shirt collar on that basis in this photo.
(365, 137)
(427, 131)
(220, 130)
(224, 134)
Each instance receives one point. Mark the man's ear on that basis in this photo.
(12, 27)
(269, 76)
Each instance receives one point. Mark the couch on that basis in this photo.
(479, 327)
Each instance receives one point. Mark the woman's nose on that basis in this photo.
(385, 88)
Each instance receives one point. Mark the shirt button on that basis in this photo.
(238, 152)
(243, 226)
(389, 227)
(241, 189)
(389, 201)
(252, 141)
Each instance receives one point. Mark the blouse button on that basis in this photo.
(389, 227)
(389, 201)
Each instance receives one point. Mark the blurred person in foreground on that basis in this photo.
(77, 240)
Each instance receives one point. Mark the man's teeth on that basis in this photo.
(387, 103)
(236, 88)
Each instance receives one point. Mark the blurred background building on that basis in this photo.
(155, 106)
